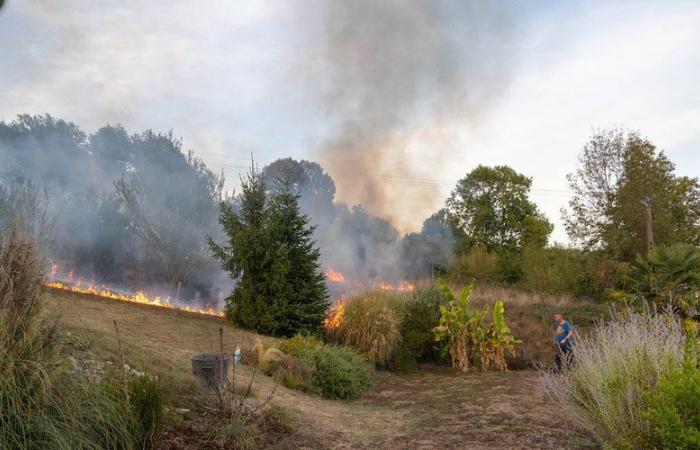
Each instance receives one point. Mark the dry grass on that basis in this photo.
(427, 410)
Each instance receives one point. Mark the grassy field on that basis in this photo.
(434, 408)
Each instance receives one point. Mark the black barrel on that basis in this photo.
(206, 368)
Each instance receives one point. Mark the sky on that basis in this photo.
(396, 99)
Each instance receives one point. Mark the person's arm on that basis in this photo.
(569, 334)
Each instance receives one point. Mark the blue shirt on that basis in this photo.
(562, 331)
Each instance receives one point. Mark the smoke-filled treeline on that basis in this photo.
(135, 210)
(127, 209)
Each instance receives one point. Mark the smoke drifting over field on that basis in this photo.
(398, 76)
(134, 211)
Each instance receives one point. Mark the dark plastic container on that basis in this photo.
(206, 368)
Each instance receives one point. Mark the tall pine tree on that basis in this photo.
(296, 281)
(271, 256)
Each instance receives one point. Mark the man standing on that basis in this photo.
(564, 340)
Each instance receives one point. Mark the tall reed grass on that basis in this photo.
(616, 367)
(41, 406)
(371, 323)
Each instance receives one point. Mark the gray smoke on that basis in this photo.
(399, 77)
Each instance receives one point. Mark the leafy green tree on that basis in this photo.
(617, 174)
(490, 208)
(272, 258)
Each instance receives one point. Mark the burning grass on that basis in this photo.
(71, 284)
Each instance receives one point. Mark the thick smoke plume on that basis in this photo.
(401, 77)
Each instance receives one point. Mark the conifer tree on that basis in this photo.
(296, 281)
(272, 257)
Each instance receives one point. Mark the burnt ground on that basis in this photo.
(433, 408)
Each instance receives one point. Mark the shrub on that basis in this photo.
(41, 406)
(616, 367)
(554, 270)
(420, 315)
(371, 324)
(476, 263)
(673, 410)
(337, 372)
(299, 343)
(148, 400)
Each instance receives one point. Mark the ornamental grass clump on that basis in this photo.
(371, 323)
(616, 368)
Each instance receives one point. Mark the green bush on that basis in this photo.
(554, 270)
(673, 410)
(148, 399)
(299, 343)
(337, 372)
(420, 315)
(477, 263)
(371, 324)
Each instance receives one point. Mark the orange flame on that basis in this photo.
(403, 286)
(334, 276)
(335, 316)
(138, 297)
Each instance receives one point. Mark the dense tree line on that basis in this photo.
(136, 210)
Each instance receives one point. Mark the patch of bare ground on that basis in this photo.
(430, 409)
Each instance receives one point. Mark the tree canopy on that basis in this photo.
(490, 208)
(618, 174)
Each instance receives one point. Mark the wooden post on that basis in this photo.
(649, 224)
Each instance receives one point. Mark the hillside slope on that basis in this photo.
(433, 408)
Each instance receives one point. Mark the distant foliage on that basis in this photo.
(617, 172)
(129, 209)
(490, 207)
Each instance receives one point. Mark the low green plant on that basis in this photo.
(469, 339)
(299, 343)
(371, 324)
(148, 400)
(279, 418)
(337, 372)
(240, 433)
(673, 409)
